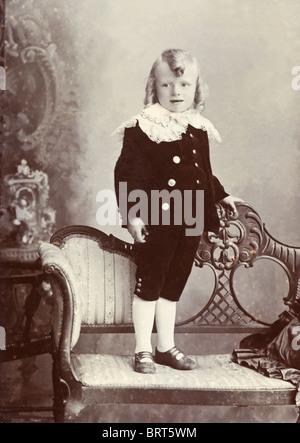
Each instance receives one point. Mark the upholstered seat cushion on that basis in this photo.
(215, 373)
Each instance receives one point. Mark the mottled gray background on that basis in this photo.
(247, 50)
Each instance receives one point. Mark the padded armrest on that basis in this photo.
(54, 261)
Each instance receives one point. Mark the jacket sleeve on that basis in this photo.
(218, 189)
(131, 170)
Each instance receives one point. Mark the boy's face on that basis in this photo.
(176, 94)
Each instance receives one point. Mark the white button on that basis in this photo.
(194, 151)
(196, 164)
(176, 159)
(191, 135)
(198, 182)
(165, 206)
(171, 182)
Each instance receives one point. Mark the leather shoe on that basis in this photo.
(144, 367)
(176, 359)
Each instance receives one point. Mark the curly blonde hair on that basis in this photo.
(177, 60)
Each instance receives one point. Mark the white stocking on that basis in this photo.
(165, 316)
(143, 313)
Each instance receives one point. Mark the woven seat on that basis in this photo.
(216, 374)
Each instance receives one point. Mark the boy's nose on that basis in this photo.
(175, 90)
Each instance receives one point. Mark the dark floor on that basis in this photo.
(27, 383)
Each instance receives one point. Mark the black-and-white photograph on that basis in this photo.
(149, 214)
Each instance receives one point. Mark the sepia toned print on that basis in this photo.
(70, 73)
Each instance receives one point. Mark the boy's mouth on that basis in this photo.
(176, 101)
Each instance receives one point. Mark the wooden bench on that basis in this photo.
(93, 278)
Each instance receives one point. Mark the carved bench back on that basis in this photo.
(104, 266)
(242, 242)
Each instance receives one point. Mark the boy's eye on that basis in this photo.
(166, 85)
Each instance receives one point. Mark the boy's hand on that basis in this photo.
(137, 230)
(230, 202)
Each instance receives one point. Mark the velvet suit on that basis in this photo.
(164, 262)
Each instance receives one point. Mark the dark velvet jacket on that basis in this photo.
(182, 164)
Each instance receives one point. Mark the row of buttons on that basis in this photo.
(139, 284)
(194, 150)
(172, 181)
(177, 159)
(196, 164)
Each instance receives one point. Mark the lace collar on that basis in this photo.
(161, 125)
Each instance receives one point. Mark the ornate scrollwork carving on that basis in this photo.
(33, 65)
(29, 218)
(241, 241)
(39, 103)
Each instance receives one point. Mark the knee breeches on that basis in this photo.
(164, 262)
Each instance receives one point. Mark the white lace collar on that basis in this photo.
(161, 125)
